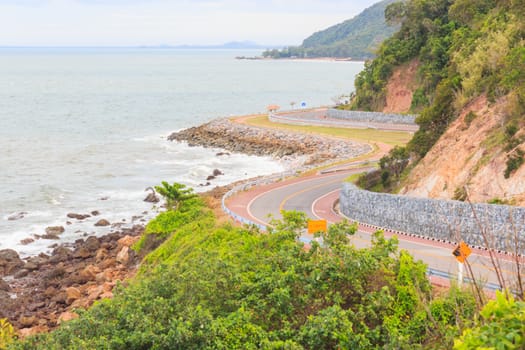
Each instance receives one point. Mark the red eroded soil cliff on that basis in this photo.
(471, 153)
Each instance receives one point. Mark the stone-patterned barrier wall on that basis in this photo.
(440, 219)
(372, 117)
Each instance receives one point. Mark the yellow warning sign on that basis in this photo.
(317, 226)
(462, 252)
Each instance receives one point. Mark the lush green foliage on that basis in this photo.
(502, 326)
(387, 177)
(357, 38)
(464, 49)
(224, 287)
(174, 194)
(166, 223)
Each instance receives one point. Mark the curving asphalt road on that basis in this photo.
(316, 194)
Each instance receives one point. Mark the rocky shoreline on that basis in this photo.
(40, 292)
(296, 149)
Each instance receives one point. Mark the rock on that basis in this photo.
(21, 274)
(222, 154)
(9, 262)
(50, 292)
(55, 230)
(123, 256)
(35, 306)
(57, 272)
(82, 253)
(26, 332)
(101, 255)
(67, 316)
(217, 172)
(27, 322)
(107, 263)
(60, 298)
(60, 254)
(211, 177)
(106, 295)
(30, 266)
(128, 241)
(48, 236)
(17, 216)
(95, 213)
(94, 293)
(72, 294)
(152, 198)
(102, 222)
(89, 273)
(92, 243)
(27, 241)
(4, 286)
(78, 216)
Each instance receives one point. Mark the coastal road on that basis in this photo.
(315, 195)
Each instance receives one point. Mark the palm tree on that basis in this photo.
(174, 194)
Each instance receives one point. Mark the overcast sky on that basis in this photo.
(171, 22)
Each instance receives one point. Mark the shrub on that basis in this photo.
(514, 162)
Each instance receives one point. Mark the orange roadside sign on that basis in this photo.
(317, 226)
(461, 252)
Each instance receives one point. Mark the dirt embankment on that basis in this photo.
(400, 88)
(471, 153)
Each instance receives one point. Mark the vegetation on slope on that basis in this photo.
(223, 287)
(465, 49)
(357, 38)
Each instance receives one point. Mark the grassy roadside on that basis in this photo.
(393, 138)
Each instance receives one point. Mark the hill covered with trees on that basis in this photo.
(468, 88)
(357, 38)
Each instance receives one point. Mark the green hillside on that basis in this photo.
(464, 49)
(357, 38)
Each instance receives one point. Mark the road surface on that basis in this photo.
(315, 195)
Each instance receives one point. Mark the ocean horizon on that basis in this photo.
(84, 129)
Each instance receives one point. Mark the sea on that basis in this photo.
(85, 129)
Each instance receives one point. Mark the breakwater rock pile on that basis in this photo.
(241, 138)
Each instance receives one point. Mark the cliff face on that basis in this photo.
(471, 154)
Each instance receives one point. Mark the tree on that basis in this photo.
(502, 326)
(174, 194)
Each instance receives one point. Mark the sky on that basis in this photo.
(168, 22)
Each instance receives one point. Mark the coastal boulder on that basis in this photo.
(78, 216)
(72, 294)
(102, 222)
(17, 216)
(123, 255)
(4, 286)
(10, 262)
(55, 230)
(92, 243)
(152, 196)
(67, 316)
(27, 241)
